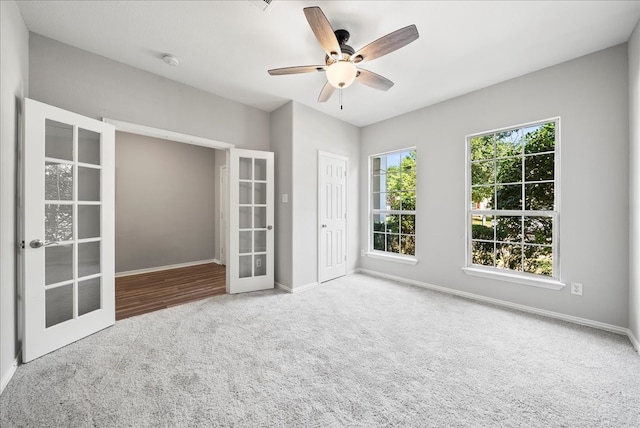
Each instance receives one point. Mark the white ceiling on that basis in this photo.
(226, 47)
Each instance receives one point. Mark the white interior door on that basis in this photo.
(250, 214)
(68, 237)
(332, 215)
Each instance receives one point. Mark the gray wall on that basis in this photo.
(281, 145)
(14, 74)
(164, 202)
(634, 184)
(297, 133)
(98, 87)
(94, 86)
(590, 94)
(313, 131)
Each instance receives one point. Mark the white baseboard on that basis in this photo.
(6, 377)
(570, 318)
(161, 268)
(296, 289)
(634, 340)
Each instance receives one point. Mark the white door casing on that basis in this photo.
(332, 216)
(223, 215)
(68, 228)
(250, 218)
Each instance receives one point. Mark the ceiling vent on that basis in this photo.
(261, 4)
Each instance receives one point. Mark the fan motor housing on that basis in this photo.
(347, 51)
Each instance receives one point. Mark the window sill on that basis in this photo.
(550, 284)
(408, 260)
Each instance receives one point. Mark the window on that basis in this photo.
(393, 203)
(512, 217)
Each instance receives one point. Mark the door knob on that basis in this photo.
(269, 227)
(36, 243)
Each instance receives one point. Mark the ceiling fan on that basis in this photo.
(341, 59)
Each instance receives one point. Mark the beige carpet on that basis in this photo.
(357, 351)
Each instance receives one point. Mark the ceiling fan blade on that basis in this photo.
(373, 80)
(326, 92)
(324, 33)
(296, 70)
(386, 44)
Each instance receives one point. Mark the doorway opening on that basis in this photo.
(167, 220)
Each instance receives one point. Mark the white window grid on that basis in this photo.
(373, 212)
(522, 213)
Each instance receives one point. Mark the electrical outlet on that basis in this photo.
(576, 288)
(361, 253)
(258, 262)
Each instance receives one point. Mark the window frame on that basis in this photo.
(385, 255)
(551, 282)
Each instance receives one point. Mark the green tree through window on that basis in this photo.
(394, 202)
(512, 199)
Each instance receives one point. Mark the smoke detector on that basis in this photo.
(172, 60)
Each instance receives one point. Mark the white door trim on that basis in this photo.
(223, 214)
(345, 159)
(179, 137)
(164, 134)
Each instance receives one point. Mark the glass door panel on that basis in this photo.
(89, 296)
(88, 221)
(260, 217)
(260, 193)
(245, 219)
(72, 248)
(58, 222)
(58, 141)
(88, 258)
(67, 203)
(245, 192)
(260, 241)
(245, 169)
(260, 264)
(58, 181)
(251, 196)
(245, 266)
(59, 305)
(261, 169)
(245, 242)
(88, 147)
(58, 264)
(88, 184)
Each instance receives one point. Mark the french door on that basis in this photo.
(68, 228)
(332, 215)
(250, 218)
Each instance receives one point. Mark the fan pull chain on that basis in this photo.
(340, 99)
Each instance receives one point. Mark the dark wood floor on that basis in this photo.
(148, 292)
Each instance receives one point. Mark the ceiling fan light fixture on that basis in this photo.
(341, 74)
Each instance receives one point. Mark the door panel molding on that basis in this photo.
(332, 215)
